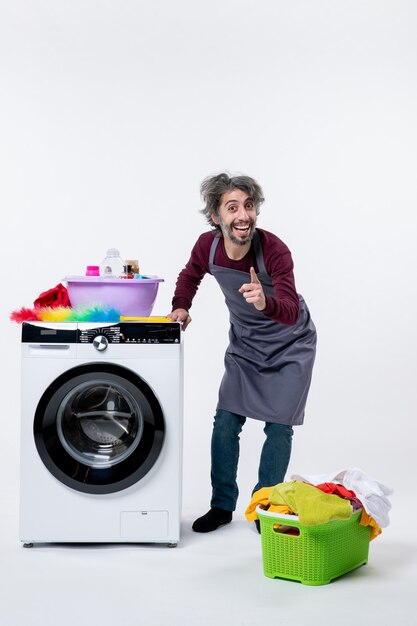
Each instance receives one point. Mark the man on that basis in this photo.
(272, 340)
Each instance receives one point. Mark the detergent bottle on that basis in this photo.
(112, 264)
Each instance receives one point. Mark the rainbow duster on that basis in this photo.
(24, 315)
(82, 313)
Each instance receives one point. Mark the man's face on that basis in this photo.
(237, 216)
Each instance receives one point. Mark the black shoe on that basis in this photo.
(212, 520)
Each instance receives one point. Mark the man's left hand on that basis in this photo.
(253, 292)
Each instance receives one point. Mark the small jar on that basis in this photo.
(92, 270)
(127, 272)
(134, 263)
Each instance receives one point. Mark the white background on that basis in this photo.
(111, 114)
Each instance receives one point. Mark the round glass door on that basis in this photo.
(99, 423)
(99, 428)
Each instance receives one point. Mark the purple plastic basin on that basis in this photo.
(132, 297)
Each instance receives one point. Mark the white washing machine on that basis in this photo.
(101, 432)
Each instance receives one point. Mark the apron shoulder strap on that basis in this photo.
(213, 248)
(258, 252)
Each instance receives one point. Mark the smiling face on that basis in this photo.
(236, 217)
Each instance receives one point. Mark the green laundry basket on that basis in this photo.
(313, 555)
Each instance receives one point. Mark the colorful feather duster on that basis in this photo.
(91, 313)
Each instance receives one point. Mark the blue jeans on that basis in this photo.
(273, 463)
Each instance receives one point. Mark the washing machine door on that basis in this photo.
(99, 428)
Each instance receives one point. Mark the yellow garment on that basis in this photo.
(367, 520)
(261, 498)
(312, 505)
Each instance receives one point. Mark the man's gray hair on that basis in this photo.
(214, 187)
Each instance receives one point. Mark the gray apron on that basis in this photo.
(268, 365)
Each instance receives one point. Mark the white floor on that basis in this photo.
(208, 579)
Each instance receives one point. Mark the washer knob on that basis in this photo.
(100, 343)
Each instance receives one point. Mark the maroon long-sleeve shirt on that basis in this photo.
(282, 307)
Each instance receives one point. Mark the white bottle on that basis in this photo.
(112, 265)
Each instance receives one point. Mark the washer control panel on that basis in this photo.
(131, 333)
(101, 335)
(98, 335)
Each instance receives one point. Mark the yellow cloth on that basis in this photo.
(367, 520)
(261, 498)
(312, 505)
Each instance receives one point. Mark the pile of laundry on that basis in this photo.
(318, 499)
